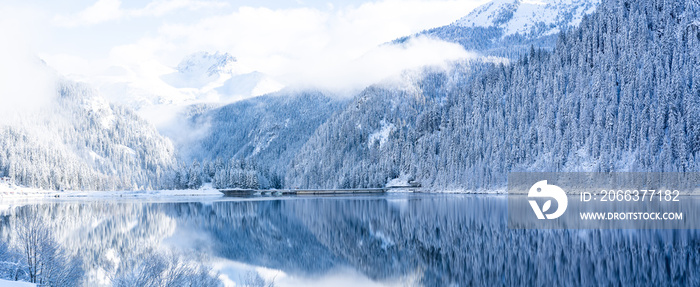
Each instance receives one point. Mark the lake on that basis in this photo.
(373, 240)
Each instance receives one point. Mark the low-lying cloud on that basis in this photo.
(338, 48)
(380, 63)
(333, 47)
(26, 84)
(110, 10)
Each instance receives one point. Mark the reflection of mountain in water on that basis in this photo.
(441, 239)
(258, 233)
(447, 240)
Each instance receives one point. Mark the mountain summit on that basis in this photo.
(201, 68)
(528, 17)
(220, 72)
(211, 63)
(508, 28)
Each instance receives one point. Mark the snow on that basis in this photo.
(381, 135)
(399, 181)
(10, 191)
(95, 157)
(100, 106)
(235, 273)
(266, 85)
(263, 145)
(246, 85)
(523, 16)
(218, 77)
(8, 283)
(157, 92)
(200, 69)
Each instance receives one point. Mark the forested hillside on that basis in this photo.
(82, 142)
(250, 143)
(619, 93)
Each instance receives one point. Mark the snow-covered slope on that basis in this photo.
(508, 28)
(81, 142)
(219, 77)
(268, 130)
(537, 17)
(546, 111)
(8, 283)
(201, 69)
(246, 85)
(161, 94)
(202, 77)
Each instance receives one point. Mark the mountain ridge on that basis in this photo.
(531, 17)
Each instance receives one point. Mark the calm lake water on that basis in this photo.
(384, 240)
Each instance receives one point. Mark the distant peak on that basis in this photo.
(206, 63)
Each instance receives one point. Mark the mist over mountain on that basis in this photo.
(199, 69)
(160, 93)
(222, 143)
(220, 74)
(266, 132)
(80, 141)
(577, 100)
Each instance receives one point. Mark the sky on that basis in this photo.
(334, 43)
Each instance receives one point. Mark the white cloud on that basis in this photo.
(308, 45)
(335, 47)
(101, 11)
(161, 7)
(110, 10)
(380, 63)
(26, 84)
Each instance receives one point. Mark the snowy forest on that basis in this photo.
(619, 92)
(82, 142)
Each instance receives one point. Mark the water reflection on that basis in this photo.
(426, 240)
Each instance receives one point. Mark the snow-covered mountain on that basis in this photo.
(162, 94)
(201, 69)
(581, 106)
(528, 17)
(267, 130)
(246, 85)
(81, 142)
(508, 28)
(270, 132)
(219, 77)
(203, 77)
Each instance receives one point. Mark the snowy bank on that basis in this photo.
(8, 283)
(11, 191)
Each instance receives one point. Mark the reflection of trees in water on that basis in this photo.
(465, 241)
(36, 257)
(158, 268)
(109, 238)
(441, 240)
(444, 240)
(258, 233)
